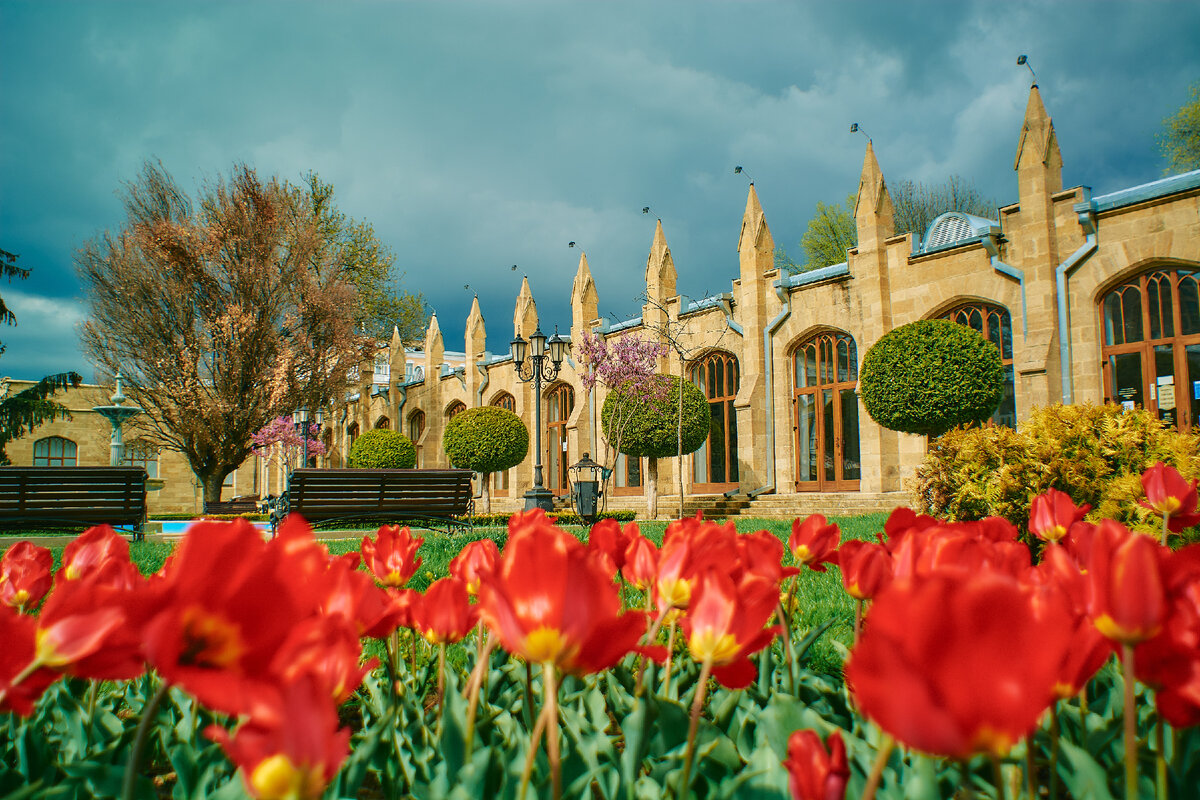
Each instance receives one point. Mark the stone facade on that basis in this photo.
(778, 353)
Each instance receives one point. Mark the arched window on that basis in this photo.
(456, 408)
(993, 323)
(140, 456)
(714, 465)
(824, 380)
(560, 402)
(351, 435)
(416, 427)
(55, 451)
(1151, 346)
(501, 480)
(383, 424)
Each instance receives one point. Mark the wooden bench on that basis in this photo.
(246, 504)
(326, 497)
(73, 497)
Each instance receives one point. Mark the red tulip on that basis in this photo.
(325, 651)
(815, 773)
(95, 549)
(1170, 662)
(1053, 513)
(476, 559)
(814, 541)
(866, 568)
(725, 624)
(1126, 598)
(392, 555)
(353, 596)
(19, 686)
(551, 603)
(25, 575)
(293, 751)
(957, 664)
(444, 614)
(608, 540)
(641, 562)
(230, 602)
(1169, 495)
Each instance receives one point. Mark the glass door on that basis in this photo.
(825, 403)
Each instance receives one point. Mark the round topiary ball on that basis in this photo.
(648, 426)
(928, 376)
(382, 449)
(486, 439)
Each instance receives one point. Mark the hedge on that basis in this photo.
(928, 376)
(382, 449)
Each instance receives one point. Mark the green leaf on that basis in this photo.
(1082, 774)
(636, 726)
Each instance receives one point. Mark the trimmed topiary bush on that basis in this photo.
(929, 376)
(1096, 454)
(486, 439)
(649, 426)
(382, 449)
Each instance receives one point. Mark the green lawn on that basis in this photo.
(819, 596)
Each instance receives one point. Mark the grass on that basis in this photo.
(819, 596)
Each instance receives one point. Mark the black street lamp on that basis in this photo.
(543, 364)
(300, 420)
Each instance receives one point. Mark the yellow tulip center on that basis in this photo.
(707, 646)
(543, 645)
(277, 778)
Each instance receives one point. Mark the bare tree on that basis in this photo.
(222, 315)
(687, 344)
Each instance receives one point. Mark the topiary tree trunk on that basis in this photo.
(652, 488)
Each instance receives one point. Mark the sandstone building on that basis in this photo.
(1089, 299)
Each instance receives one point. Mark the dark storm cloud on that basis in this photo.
(475, 136)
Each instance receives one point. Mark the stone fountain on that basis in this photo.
(116, 414)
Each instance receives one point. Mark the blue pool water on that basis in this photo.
(180, 527)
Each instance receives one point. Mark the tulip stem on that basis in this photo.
(473, 688)
(998, 777)
(666, 690)
(886, 745)
(550, 686)
(650, 638)
(1030, 769)
(441, 684)
(534, 739)
(1165, 530)
(1131, 772)
(1055, 733)
(30, 668)
(1160, 759)
(529, 689)
(149, 712)
(787, 647)
(693, 726)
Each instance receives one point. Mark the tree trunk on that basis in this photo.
(212, 486)
(486, 482)
(652, 488)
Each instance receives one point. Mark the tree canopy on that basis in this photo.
(652, 426)
(831, 231)
(30, 407)
(222, 314)
(1180, 137)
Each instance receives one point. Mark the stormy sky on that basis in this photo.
(476, 136)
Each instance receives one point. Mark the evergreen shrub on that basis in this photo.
(382, 449)
(486, 439)
(928, 376)
(650, 427)
(1094, 453)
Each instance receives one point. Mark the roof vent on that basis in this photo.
(955, 227)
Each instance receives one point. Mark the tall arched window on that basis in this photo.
(416, 427)
(383, 424)
(456, 408)
(55, 451)
(500, 480)
(560, 402)
(714, 465)
(993, 323)
(824, 379)
(1151, 347)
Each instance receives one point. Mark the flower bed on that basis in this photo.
(615, 668)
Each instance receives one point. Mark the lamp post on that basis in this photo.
(543, 364)
(300, 420)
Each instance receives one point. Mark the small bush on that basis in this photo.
(382, 449)
(1096, 454)
(928, 376)
(486, 439)
(650, 430)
